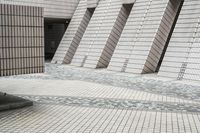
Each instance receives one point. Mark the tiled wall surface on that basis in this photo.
(92, 3)
(128, 1)
(144, 36)
(52, 8)
(73, 34)
(21, 40)
(182, 59)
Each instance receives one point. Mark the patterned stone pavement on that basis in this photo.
(146, 83)
(69, 99)
(116, 103)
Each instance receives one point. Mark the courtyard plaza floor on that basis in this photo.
(70, 99)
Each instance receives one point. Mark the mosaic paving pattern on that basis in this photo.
(115, 103)
(102, 76)
(132, 104)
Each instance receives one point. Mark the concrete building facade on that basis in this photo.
(61, 9)
(133, 36)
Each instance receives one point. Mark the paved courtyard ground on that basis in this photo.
(70, 99)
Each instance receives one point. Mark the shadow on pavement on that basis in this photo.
(8, 102)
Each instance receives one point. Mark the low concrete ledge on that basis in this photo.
(8, 102)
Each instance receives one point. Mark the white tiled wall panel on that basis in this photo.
(52, 8)
(102, 34)
(21, 40)
(144, 36)
(182, 59)
(73, 34)
(92, 3)
(128, 1)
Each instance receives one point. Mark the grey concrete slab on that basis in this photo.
(8, 102)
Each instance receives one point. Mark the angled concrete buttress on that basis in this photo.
(74, 32)
(102, 34)
(144, 36)
(182, 58)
